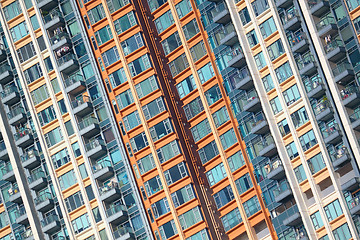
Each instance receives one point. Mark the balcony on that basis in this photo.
(268, 148)
(10, 95)
(24, 138)
(103, 170)
(350, 96)
(95, 149)
(306, 64)
(314, 87)
(331, 133)
(229, 36)
(298, 41)
(339, 155)
(89, 127)
(275, 170)
(290, 19)
(37, 180)
(30, 159)
(47, 5)
(343, 73)
(354, 205)
(355, 120)
(251, 102)
(82, 106)
(44, 202)
(117, 214)
(318, 8)
(54, 20)
(74, 84)
(14, 194)
(17, 116)
(326, 26)
(124, 233)
(27, 235)
(110, 192)
(237, 59)
(221, 14)
(21, 216)
(7, 172)
(50, 224)
(3, 55)
(243, 80)
(60, 40)
(284, 3)
(293, 220)
(259, 124)
(3, 152)
(283, 192)
(68, 63)
(335, 50)
(323, 111)
(6, 74)
(351, 185)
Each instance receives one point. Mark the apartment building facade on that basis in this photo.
(179, 119)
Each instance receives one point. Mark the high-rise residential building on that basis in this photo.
(179, 119)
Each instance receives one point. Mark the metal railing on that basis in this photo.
(296, 37)
(59, 37)
(6, 168)
(4, 67)
(64, 59)
(93, 144)
(43, 197)
(50, 219)
(348, 91)
(353, 202)
(2, 146)
(304, 60)
(325, 22)
(52, 15)
(219, 8)
(15, 111)
(30, 154)
(73, 79)
(122, 231)
(77, 102)
(273, 164)
(333, 45)
(22, 133)
(104, 189)
(101, 165)
(35, 176)
(9, 89)
(337, 151)
(87, 122)
(321, 106)
(115, 209)
(282, 187)
(312, 83)
(340, 68)
(329, 128)
(289, 14)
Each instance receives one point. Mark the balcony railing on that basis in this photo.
(21, 211)
(42, 198)
(108, 187)
(100, 165)
(321, 106)
(273, 164)
(16, 111)
(289, 14)
(257, 119)
(27, 234)
(87, 122)
(4, 67)
(312, 83)
(77, 102)
(353, 202)
(304, 60)
(115, 209)
(2, 146)
(30, 154)
(283, 186)
(53, 14)
(93, 144)
(325, 22)
(49, 219)
(337, 152)
(14, 189)
(35, 176)
(296, 37)
(59, 37)
(355, 116)
(64, 59)
(122, 231)
(329, 129)
(248, 97)
(348, 91)
(73, 79)
(6, 168)
(340, 68)
(22, 133)
(333, 45)
(9, 90)
(264, 142)
(219, 8)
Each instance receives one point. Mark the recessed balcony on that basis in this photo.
(50, 224)
(269, 149)
(331, 133)
(259, 124)
(314, 87)
(10, 95)
(354, 205)
(335, 50)
(110, 192)
(68, 63)
(89, 127)
(323, 111)
(95, 149)
(47, 5)
(350, 96)
(54, 20)
(117, 214)
(355, 120)
(351, 185)
(3, 152)
(343, 73)
(3, 55)
(250, 101)
(60, 40)
(293, 220)
(291, 20)
(103, 170)
(244, 82)
(6, 74)
(23, 138)
(28, 235)
(82, 106)
(14, 194)
(44, 202)
(306, 64)
(276, 171)
(339, 155)
(229, 39)
(37, 180)
(326, 26)
(21, 216)
(7, 172)
(17, 116)
(318, 8)
(284, 3)
(221, 14)
(298, 42)
(283, 192)
(238, 59)
(124, 233)
(74, 84)
(30, 159)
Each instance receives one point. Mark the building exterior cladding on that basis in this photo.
(179, 119)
